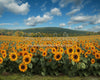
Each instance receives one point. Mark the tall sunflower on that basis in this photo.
(13, 56)
(26, 59)
(22, 67)
(78, 50)
(97, 56)
(25, 53)
(32, 50)
(53, 50)
(58, 56)
(44, 53)
(4, 55)
(70, 50)
(75, 57)
(92, 61)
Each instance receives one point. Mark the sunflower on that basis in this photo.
(92, 61)
(83, 51)
(1, 60)
(58, 56)
(54, 50)
(93, 53)
(25, 53)
(61, 50)
(86, 47)
(32, 50)
(3, 51)
(86, 55)
(78, 50)
(31, 55)
(97, 55)
(4, 55)
(75, 57)
(20, 53)
(41, 49)
(26, 59)
(24, 48)
(22, 67)
(92, 47)
(13, 56)
(65, 51)
(44, 53)
(89, 51)
(70, 50)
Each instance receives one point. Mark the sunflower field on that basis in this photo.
(72, 56)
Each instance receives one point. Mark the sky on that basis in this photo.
(70, 14)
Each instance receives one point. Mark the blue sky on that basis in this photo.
(71, 14)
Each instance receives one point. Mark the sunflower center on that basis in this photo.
(13, 56)
(97, 55)
(31, 49)
(78, 50)
(70, 50)
(25, 54)
(22, 67)
(75, 56)
(27, 59)
(58, 56)
(20, 54)
(53, 50)
(44, 53)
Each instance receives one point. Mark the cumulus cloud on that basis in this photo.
(73, 12)
(64, 3)
(82, 19)
(95, 19)
(54, 1)
(14, 7)
(56, 11)
(62, 25)
(79, 27)
(95, 28)
(33, 21)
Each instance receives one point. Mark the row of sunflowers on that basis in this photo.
(72, 56)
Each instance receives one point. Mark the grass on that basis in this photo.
(37, 77)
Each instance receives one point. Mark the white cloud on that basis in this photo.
(73, 12)
(95, 28)
(8, 24)
(62, 25)
(54, 1)
(13, 6)
(95, 19)
(56, 11)
(79, 27)
(82, 19)
(33, 21)
(64, 3)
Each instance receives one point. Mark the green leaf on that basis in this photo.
(73, 63)
(30, 65)
(43, 73)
